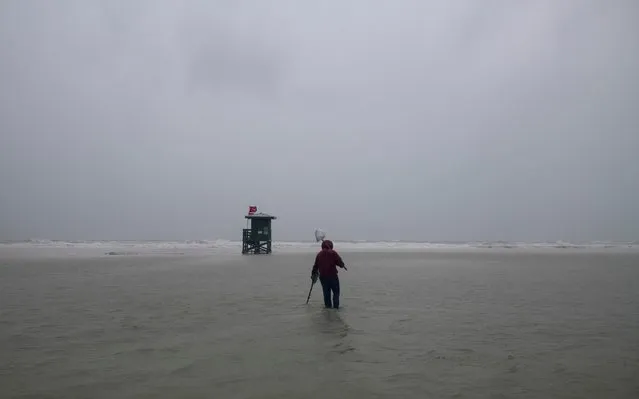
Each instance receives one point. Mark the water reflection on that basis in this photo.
(330, 321)
(333, 329)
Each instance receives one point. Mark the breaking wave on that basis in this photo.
(234, 246)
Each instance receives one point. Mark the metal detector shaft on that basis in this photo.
(309, 292)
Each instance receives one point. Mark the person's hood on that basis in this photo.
(327, 244)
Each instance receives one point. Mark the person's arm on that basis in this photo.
(339, 262)
(315, 265)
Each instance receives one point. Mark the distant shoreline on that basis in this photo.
(224, 248)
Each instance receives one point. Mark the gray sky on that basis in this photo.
(406, 119)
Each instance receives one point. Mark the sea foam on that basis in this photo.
(229, 246)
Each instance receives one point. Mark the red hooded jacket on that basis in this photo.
(327, 260)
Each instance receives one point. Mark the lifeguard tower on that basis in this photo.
(256, 237)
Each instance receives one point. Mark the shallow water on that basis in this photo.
(461, 325)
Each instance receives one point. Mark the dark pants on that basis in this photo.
(330, 284)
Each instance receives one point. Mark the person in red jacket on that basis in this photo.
(326, 263)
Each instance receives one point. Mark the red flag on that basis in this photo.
(252, 209)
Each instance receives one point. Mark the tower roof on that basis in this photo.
(260, 215)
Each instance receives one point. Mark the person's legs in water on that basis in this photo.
(335, 289)
(326, 290)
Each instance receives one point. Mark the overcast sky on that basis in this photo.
(371, 119)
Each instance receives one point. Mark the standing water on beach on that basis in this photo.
(436, 323)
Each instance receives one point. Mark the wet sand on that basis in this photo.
(480, 324)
